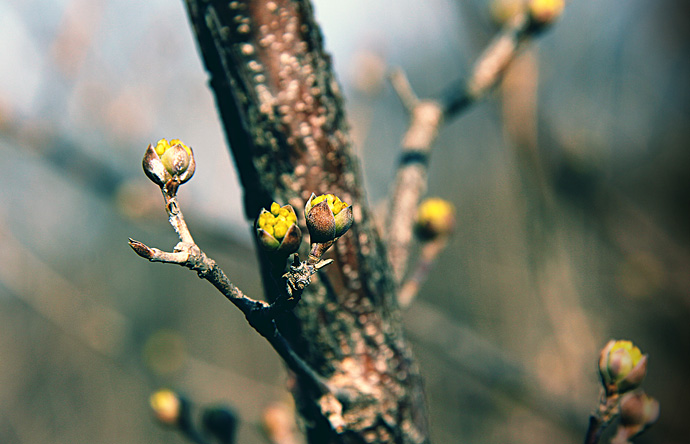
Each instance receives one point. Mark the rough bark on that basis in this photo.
(284, 119)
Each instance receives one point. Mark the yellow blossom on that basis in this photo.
(435, 217)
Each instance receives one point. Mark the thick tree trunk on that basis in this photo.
(285, 122)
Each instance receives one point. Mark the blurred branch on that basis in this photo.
(468, 352)
(106, 331)
(128, 195)
(551, 264)
(424, 262)
(426, 119)
(72, 310)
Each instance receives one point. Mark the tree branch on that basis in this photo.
(260, 315)
(427, 117)
(284, 118)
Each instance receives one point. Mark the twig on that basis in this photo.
(486, 365)
(594, 430)
(427, 116)
(608, 410)
(260, 315)
(428, 255)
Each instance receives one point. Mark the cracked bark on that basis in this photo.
(284, 119)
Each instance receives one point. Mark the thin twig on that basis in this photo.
(607, 411)
(427, 116)
(594, 430)
(402, 87)
(427, 257)
(259, 314)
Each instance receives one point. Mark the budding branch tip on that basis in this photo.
(140, 249)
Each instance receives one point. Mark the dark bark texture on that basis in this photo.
(284, 119)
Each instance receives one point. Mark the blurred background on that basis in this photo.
(570, 183)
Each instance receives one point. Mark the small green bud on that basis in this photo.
(328, 217)
(622, 366)
(277, 229)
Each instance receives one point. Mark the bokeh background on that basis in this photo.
(570, 183)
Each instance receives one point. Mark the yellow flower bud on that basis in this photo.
(328, 217)
(544, 12)
(277, 230)
(168, 160)
(435, 217)
(275, 208)
(622, 366)
(166, 406)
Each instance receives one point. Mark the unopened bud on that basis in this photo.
(637, 408)
(435, 217)
(622, 366)
(277, 230)
(544, 12)
(328, 217)
(637, 412)
(278, 423)
(166, 406)
(169, 160)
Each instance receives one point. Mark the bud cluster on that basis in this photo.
(328, 217)
(277, 229)
(622, 368)
(169, 162)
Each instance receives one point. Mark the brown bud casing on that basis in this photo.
(321, 223)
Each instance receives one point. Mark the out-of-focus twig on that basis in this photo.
(100, 328)
(427, 116)
(426, 259)
(488, 365)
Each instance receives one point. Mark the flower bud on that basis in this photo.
(168, 160)
(622, 366)
(544, 12)
(166, 406)
(278, 423)
(277, 229)
(435, 217)
(637, 409)
(328, 217)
